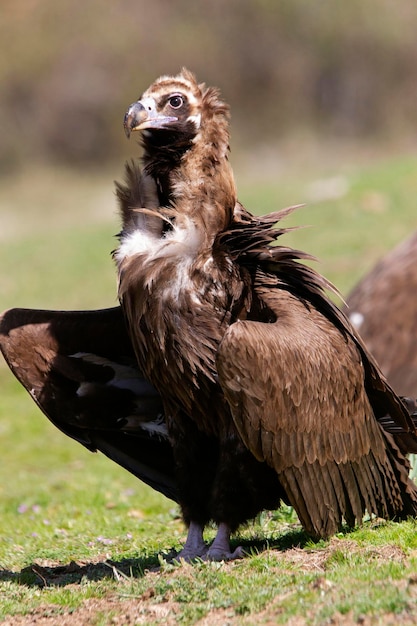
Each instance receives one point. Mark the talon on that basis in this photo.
(218, 554)
(188, 555)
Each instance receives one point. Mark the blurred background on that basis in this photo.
(341, 71)
(323, 99)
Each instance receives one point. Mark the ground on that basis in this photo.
(150, 608)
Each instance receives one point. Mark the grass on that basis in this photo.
(80, 538)
(353, 217)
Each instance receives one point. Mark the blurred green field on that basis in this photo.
(57, 228)
(59, 503)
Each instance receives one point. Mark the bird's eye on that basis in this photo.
(176, 102)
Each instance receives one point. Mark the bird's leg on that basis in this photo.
(220, 548)
(194, 545)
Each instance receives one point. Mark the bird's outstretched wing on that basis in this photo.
(79, 367)
(297, 395)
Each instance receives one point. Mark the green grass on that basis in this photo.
(376, 209)
(81, 537)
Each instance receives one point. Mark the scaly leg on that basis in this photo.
(194, 546)
(220, 548)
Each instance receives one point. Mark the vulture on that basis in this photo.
(383, 308)
(268, 392)
(227, 379)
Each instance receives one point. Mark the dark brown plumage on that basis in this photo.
(80, 369)
(251, 359)
(267, 392)
(383, 307)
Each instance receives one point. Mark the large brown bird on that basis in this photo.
(265, 389)
(262, 379)
(383, 307)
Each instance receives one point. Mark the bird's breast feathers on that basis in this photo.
(173, 265)
(182, 241)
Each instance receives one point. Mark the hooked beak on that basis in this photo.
(143, 114)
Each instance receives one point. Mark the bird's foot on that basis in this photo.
(220, 554)
(189, 554)
(195, 546)
(220, 548)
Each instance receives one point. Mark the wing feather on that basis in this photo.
(80, 369)
(296, 389)
(300, 383)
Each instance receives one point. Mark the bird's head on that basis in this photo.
(176, 110)
(184, 129)
(172, 104)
